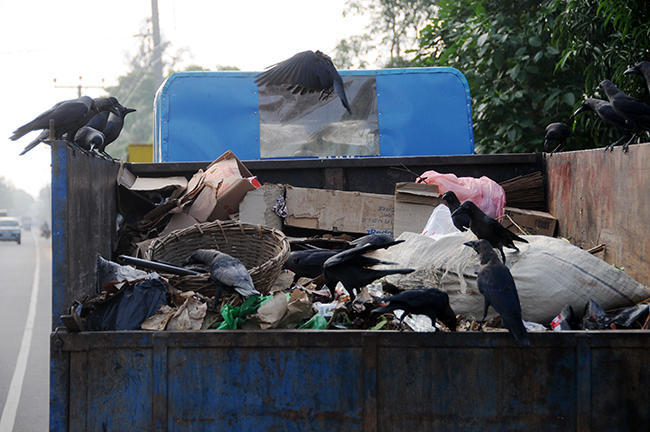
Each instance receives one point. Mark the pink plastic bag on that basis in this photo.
(488, 195)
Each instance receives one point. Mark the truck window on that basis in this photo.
(303, 125)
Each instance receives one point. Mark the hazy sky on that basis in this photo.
(42, 40)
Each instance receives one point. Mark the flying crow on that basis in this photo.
(306, 72)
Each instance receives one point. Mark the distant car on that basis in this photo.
(26, 223)
(10, 229)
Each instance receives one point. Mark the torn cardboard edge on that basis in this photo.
(132, 182)
(531, 221)
(339, 211)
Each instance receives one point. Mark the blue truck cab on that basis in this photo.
(395, 112)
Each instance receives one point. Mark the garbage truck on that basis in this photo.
(295, 380)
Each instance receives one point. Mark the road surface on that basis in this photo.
(24, 348)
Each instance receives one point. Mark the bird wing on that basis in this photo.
(627, 104)
(497, 285)
(606, 113)
(306, 70)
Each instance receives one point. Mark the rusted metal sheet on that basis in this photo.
(602, 198)
(284, 380)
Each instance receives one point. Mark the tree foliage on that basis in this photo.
(395, 24)
(137, 89)
(530, 63)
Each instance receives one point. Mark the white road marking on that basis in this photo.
(15, 388)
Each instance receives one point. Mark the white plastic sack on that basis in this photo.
(549, 273)
(488, 195)
(439, 223)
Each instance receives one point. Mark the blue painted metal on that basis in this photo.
(293, 380)
(58, 363)
(200, 115)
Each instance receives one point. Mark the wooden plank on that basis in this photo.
(602, 197)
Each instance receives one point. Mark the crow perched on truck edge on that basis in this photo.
(485, 227)
(606, 113)
(68, 116)
(498, 288)
(306, 72)
(557, 133)
(431, 302)
(226, 272)
(643, 69)
(635, 112)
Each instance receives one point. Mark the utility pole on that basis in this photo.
(79, 86)
(157, 49)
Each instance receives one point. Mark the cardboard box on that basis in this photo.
(532, 221)
(257, 206)
(339, 211)
(222, 187)
(414, 203)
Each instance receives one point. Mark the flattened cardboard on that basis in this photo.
(339, 211)
(224, 185)
(414, 203)
(132, 182)
(257, 206)
(532, 221)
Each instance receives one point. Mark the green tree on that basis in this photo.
(530, 63)
(137, 89)
(16, 201)
(351, 52)
(395, 24)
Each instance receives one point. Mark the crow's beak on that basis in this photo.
(578, 111)
(471, 244)
(631, 70)
(128, 110)
(545, 149)
(458, 211)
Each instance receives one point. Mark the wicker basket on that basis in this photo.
(262, 250)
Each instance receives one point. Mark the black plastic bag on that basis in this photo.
(595, 317)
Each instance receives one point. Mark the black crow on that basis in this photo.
(498, 288)
(114, 125)
(226, 272)
(351, 268)
(643, 69)
(556, 133)
(88, 138)
(308, 263)
(635, 112)
(606, 113)
(461, 220)
(306, 72)
(431, 302)
(382, 241)
(68, 117)
(485, 227)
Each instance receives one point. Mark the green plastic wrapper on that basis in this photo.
(235, 316)
(317, 322)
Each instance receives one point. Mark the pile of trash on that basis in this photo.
(559, 286)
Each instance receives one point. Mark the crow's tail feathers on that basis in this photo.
(21, 131)
(517, 329)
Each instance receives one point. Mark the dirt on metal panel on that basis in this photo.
(602, 198)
